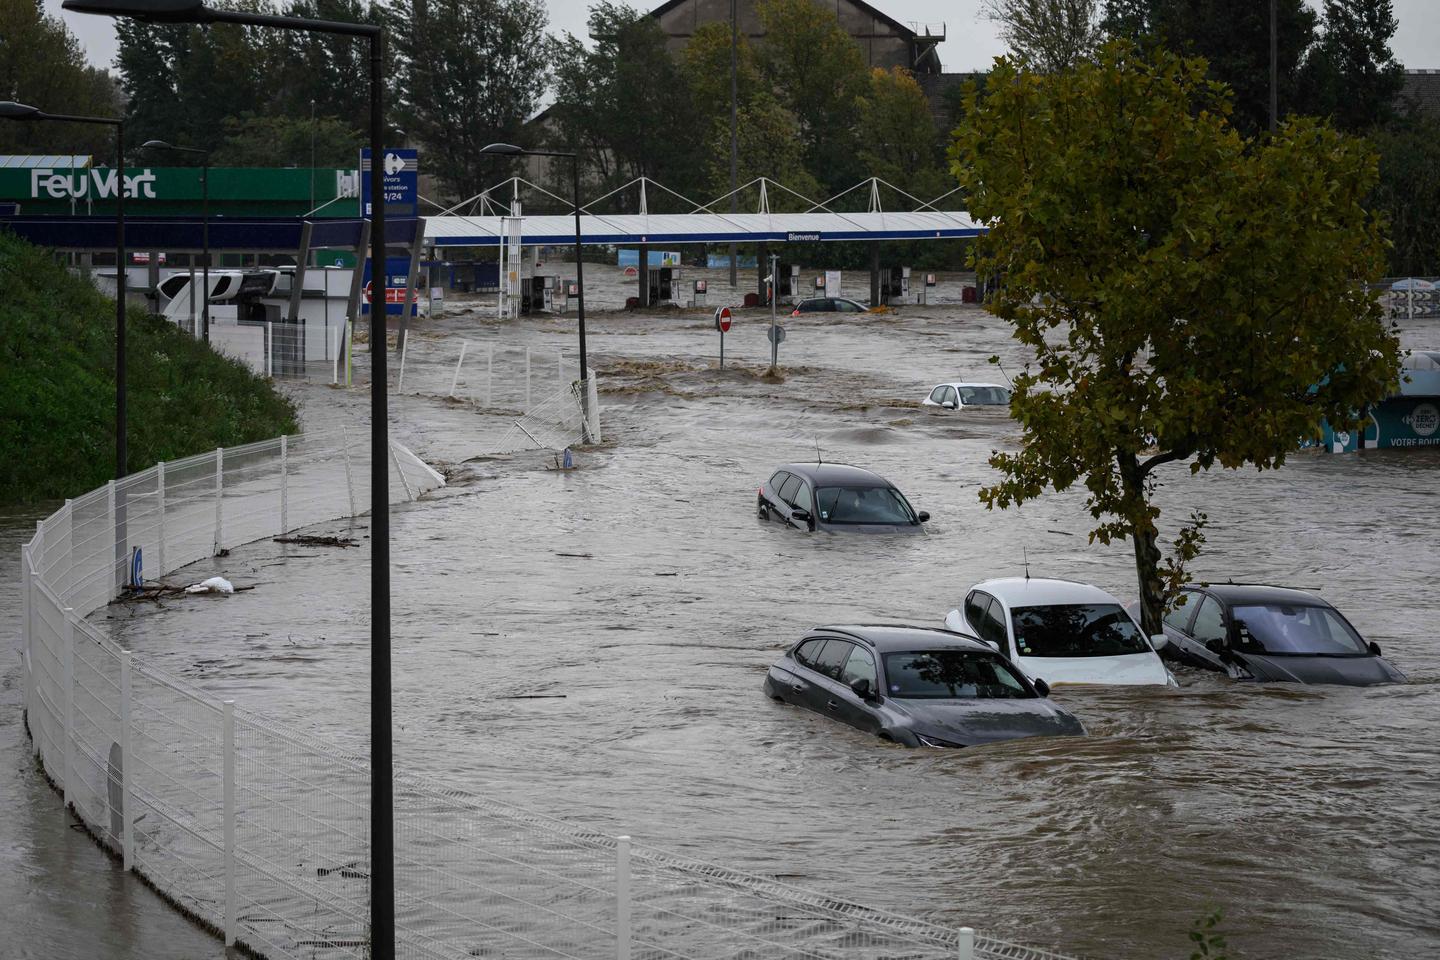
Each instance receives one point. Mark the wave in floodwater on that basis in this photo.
(591, 644)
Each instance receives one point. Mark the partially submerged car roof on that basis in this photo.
(971, 383)
(1245, 593)
(890, 637)
(1022, 591)
(840, 473)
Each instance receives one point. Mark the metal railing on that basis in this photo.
(261, 831)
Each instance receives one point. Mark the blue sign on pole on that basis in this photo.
(400, 167)
(397, 280)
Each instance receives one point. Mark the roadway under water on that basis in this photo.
(591, 644)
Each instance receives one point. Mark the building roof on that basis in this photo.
(1422, 91)
(675, 228)
(30, 161)
(905, 30)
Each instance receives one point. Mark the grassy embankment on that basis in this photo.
(57, 385)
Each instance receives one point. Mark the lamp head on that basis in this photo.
(156, 145)
(502, 150)
(10, 110)
(153, 11)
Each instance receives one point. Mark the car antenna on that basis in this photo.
(1025, 561)
(817, 452)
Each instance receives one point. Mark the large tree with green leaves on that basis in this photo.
(42, 64)
(1350, 75)
(1408, 194)
(1189, 295)
(897, 134)
(1234, 38)
(471, 73)
(1046, 35)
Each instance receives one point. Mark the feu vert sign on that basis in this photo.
(74, 184)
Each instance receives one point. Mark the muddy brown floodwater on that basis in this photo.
(641, 595)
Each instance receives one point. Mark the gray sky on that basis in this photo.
(971, 43)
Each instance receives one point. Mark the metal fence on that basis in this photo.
(263, 832)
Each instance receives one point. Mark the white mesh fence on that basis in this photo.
(263, 833)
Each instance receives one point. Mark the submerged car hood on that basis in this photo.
(1352, 671)
(973, 722)
(1129, 669)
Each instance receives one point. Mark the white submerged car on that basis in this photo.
(958, 395)
(1061, 631)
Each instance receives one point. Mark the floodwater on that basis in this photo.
(591, 644)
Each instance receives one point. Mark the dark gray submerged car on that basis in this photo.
(1277, 634)
(836, 498)
(915, 686)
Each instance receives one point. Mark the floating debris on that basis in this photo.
(305, 540)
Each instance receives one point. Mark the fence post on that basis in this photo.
(489, 373)
(228, 720)
(622, 898)
(127, 766)
(560, 366)
(455, 380)
(284, 483)
(219, 494)
(269, 349)
(68, 638)
(349, 478)
(114, 537)
(160, 516)
(395, 463)
(400, 382)
(527, 379)
(967, 944)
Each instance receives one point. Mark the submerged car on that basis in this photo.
(916, 686)
(1256, 632)
(954, 396)
(836, 498)
(1065, 631)
(828, 305)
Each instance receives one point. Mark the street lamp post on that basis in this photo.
(382, 788)
(9, 110)
(510, 150)
(204, 227)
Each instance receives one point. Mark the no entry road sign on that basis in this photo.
(722, 319)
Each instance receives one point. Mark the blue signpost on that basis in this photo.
(401, 171)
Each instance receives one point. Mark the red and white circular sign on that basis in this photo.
(722, 319)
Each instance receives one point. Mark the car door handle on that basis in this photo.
(832, 704)
(798, 687)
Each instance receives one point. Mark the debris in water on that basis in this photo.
(212, 585)
(306, 540)
(577, 556)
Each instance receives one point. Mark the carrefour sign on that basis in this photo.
(47, 184)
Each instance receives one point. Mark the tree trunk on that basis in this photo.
(1147, 555)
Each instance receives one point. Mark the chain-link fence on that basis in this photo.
(263, 832)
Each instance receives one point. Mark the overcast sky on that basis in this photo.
(971, 43)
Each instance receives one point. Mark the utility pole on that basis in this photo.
(1274, 71)
(734, 129)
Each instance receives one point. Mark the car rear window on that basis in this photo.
(952, 675)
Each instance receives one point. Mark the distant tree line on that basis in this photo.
(811, 114)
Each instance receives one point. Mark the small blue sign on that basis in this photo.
(400, 168)
(398, 275)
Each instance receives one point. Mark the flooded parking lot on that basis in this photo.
(591, 645)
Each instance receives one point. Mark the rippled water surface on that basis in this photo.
(641, 597)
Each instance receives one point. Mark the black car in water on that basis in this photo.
(836, 498)
(1257, 632)
(916, 686)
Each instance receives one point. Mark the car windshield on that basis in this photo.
(1288, 629)
(951, 675)
(862, 505)
(1075, 630)
(984, 396)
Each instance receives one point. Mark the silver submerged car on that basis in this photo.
(836, 498)
(917, 687)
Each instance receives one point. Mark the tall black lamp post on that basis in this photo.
(382, 811)
(204, 225)
(9, 110)
(510, 150)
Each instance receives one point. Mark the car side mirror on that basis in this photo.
(1159, 641)
(861, 686)
(949, 404)
(1216, 646)
(1374, 647)
(923, 516)
(800, 516)
(1041, 687)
